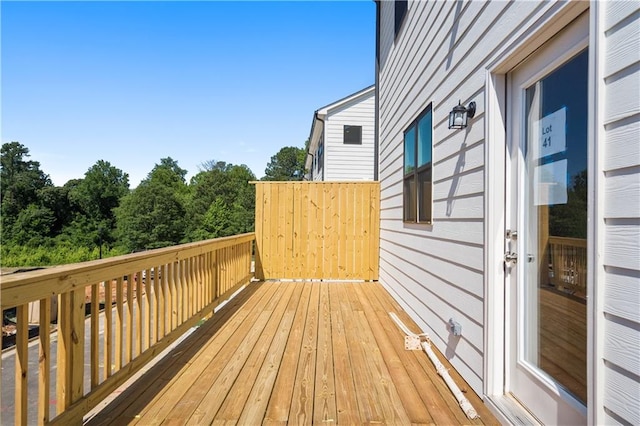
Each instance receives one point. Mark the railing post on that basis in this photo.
(70, 356)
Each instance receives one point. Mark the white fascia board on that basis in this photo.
(360, 95)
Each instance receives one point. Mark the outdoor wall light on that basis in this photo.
(459, 115)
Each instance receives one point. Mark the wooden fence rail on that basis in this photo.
(317, 230)
(149, 299)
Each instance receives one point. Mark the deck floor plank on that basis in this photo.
(346, 399)
(282, 393)
(295, 353)
(256, 405)
(428, 391)
(443, 393)
(324, 407)
(236, 399)
(411, 401)
(387, 395)
(155, 382)
(369, 407)
(231, 366)
(301, 410)
(182, 397)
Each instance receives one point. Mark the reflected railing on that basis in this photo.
(568, 265)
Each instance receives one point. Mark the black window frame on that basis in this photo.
(417, 183)
(349, 130)
(400, 11)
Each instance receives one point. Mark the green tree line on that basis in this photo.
(42, 224)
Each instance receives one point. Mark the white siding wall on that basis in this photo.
(621, 120)
(436, 272)
(344, 161)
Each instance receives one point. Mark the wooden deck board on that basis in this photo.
(346, 400)
(156, 381)
(295, 352)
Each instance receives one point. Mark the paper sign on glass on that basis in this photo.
(550, 183)
(551, 134)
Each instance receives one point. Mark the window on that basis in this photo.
(320, 155)
(400, 11)
(418, 169)
(353, 135)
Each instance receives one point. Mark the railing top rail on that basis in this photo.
(35, 285)
(570, 241)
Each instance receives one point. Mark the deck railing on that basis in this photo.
(149, 299)
(568, 258)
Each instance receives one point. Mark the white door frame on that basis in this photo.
(541, 28)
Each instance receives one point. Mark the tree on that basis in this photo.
(21, 182)
(100, 191)
(32, 226)
(221, 201)
(153, 214)
(287, 164)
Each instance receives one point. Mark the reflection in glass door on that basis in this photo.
(553, 250)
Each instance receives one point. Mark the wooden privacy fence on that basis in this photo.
(149, 300)
(317, 230)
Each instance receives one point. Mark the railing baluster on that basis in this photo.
(148, 304)
(95, 334)
(44, 362)
(172, 293)
(63, 355)
(120, 321)
(190, 280)
(128, 355)
(137, 344)
(156, 305)
(22, 364)
(198, 260)
(77, 344)
(161, 301)
(108, 328)
(180, 290)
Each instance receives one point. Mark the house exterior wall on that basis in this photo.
(436, 271)
(619, 36)
(442, 54)
(346, 161)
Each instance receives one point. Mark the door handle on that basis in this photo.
(511, 257)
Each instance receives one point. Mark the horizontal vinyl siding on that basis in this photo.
(621, 208)
(345, 161)
(437, 272)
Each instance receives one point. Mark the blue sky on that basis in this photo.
(134, 82)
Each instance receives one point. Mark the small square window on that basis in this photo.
(353, 135)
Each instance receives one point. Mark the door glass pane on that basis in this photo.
(553, 250)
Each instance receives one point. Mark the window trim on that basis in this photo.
(417, 170)
(344, 134)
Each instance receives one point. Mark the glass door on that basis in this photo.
(546, 243)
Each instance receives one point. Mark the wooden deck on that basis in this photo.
(300, 353)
